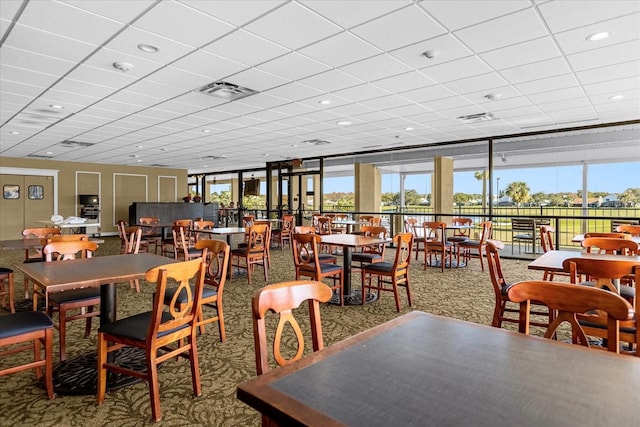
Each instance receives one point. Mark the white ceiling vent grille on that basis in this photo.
(316, 142)
(226, 90)
(75, 144)
(475, 118)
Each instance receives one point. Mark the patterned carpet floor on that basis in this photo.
(463, 293)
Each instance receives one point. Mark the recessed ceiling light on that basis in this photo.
(13, 132)
(49, 152)
(616, 97)
(294, 145)
(493, 96)
(138, 160)
(122, 66)
(57, 107)
(325, 102)
(206, 131)
(149, 48)
(344, 123)
(598, 36)
(140, 146)
(409, 128)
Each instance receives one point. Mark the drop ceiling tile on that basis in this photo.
(70, 22)
(400, 28)
(233, 11)
(536, 71)
(351, 110)
(472, 84)
(20, 75)
(244, 47)
(128, 40)
(455, 14)
(427, 93)
(36, 62)
(561, 15)
(341, 49)
(351, 13)
(179, 79)
(376, 68)
(362, 92)
(294, 91)
(613, 86)
(566, 99)
(42, 42)
(454, 70)
(522, 53)
(110, 78)
(406, 110)
(448, 48)
(293, 66)
(263, 101)
(545, 85)
(608, 55)
(332, 80)
(500, 32)
(255, 79)
(615, 71)
(159, 90)
(622, 29)
(196, 99)
(83, 88)
(155, 21)
(113, 9)
(384, 102)
(105, 58)
(213, 67)
(302, 28)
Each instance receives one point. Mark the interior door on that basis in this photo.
(29, 199)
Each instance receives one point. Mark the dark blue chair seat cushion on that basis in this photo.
(626, 291)
(207, 292)
(136, 327)
(365, 257)
(383, 267)
(23, 322)
(74, 295)
(327, 257)
(5, 270)
(457, 239)
(324, 268)
(472, 243)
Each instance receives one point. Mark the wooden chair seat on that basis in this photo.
(307, 263)
(366, 258)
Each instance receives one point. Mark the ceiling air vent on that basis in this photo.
(213, 157)
(225, 90)
(316, 142)
(39, 156)
(157, 165)
(475, 118)
(75, 144)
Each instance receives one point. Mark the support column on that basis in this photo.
(368, 182)
(442, 185)
(235, 191)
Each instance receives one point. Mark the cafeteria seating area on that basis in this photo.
(462, 293)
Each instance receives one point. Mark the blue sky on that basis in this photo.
(612, 178)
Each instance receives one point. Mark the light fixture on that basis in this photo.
(57, 107)
(14, 132)
(122, 66)
(616, 97)
(206, 131)
(503, 158)
(49, 153)
(343, 123)
(149, 48)
(325, 102)
(139, 146)
(598, 36)
(493, 96)
(409, 128)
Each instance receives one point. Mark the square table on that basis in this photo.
(425, 370)
(552, 260)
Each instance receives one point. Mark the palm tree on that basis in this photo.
(518, 192)
(483, 175)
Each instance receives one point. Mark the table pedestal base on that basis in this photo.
(78, 376)
(354, 298)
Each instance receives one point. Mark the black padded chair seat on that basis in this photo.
(365, 257)
(623, 329)
(457, 239)
(324, 268)
(74, 295)
(327, 258)
(136, 327)
(5, 270)
(383, 267)
(207, 292)
(23, 322)
(626, 291)
(473, 243)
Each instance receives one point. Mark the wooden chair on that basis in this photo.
(476, 248)
(324, 228)
(411, 226)
(182, 244)
(568, 301)
(501, 286)
(394, 274)
(607, 275)
(122, 234)
(150, 235)
(547, 244)
(339, 228)
(35, 255)
(608, 245)
(160, 333)
(631, 229)
(308, 229)
(133, 241)
(522, 230)
(607, 235)
(33, 327)
(268, 243)
(254, 253)
(436, 244)
(282, 299)
(284, 232)
(460, 234)
(202, 225)
(370, 254)
(6, 288)
(307, 263)
(63, 302)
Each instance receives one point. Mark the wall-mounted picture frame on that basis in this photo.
(11, 192)
(36, 192)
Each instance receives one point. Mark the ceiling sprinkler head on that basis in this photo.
(122, 66)
(430, 53)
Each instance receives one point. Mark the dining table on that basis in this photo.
(553, 260)
(349, 223)
(349, 242)
(222, 231)
(421, 369)
(578, 238)
(78, 375)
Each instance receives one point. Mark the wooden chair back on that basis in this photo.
(607, 235)
(569, 300)
(37, 233)
(134, 237)
(64, 238)
(404, 245)
(608, 245)
(605, 273)
(324, 225)
(202, 225)
(498, 281)
(216, 254)
(304, 229)
(631, 229)
(375, 231)
(65, 250)
(462, 232)
(282, 299)
(410, 225)
(305, 251)
(546, 238)
(486, 233)
(434, 231)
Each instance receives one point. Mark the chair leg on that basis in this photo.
(223, 333)
(62, 331)
(195, 367)
(87, 326)
(48, 364)
(154, 388)
(395, 294)
(102, 371)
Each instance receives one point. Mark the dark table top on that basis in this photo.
(421, 370)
